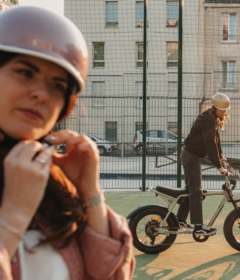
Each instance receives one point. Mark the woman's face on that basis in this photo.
(32, 96)
(221, 113)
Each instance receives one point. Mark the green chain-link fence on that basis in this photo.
(111, 108)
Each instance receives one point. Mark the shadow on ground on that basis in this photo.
(225, 268)
(142, 269)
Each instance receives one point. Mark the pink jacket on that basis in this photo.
(100, 258)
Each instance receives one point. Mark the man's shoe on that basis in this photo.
(204, 230)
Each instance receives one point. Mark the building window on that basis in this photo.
(172, 59)
(98, 57)
(140, 55)
(111, 131)
(229, 28)
(111, 13)
(172, 13)
(172, 94)
(228, 74)
(98, 93)
(139, 95)
(140, 14)
(139, 126)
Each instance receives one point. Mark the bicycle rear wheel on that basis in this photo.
(145, 236)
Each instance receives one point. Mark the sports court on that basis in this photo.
(186, 259)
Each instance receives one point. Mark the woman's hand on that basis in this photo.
(80, 163)
(223, 159)
(224, 162)
(25, 178)
(223, 171)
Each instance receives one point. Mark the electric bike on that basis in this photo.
(154, 227)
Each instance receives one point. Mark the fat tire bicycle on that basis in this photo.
(154, 227)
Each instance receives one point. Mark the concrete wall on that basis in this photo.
(120, 73)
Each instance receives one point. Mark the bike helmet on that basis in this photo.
(41, 33)
(220, 101)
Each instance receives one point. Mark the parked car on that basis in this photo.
(104, 146)
(156, 141)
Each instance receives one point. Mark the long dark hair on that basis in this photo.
(216, 120)
(61, 209)
(6, 57)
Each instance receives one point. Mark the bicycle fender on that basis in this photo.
(152, 206)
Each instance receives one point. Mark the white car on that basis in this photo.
(104, 146)
(156, 141)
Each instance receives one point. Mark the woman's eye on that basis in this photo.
(59, 87)
(25, 72)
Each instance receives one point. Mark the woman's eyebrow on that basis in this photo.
(36, 69)
(33, 67)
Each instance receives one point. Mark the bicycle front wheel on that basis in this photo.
(231, 229)
(144, 227)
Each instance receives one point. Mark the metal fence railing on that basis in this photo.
(164, 58)
(116, 128)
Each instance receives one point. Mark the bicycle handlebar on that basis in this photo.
(231, 172)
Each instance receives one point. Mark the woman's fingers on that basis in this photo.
(25, 148)
(30, 154)
(71, 139)
(60, 137)
(26, 176)
(80, 162)
(44, 158)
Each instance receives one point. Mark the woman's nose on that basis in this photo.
(40, 93)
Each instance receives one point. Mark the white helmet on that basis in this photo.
(220, 101)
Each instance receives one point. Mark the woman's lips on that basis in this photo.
(32, 114)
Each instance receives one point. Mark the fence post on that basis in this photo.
(144, 97)
(180, 34)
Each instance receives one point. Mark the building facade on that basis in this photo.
(114, 34)
(6, 4)
(220, 54)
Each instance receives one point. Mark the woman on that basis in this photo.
(54, 223)
(203, 139)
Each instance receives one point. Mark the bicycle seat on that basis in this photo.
(174, 192)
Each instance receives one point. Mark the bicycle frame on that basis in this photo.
(173, 201)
